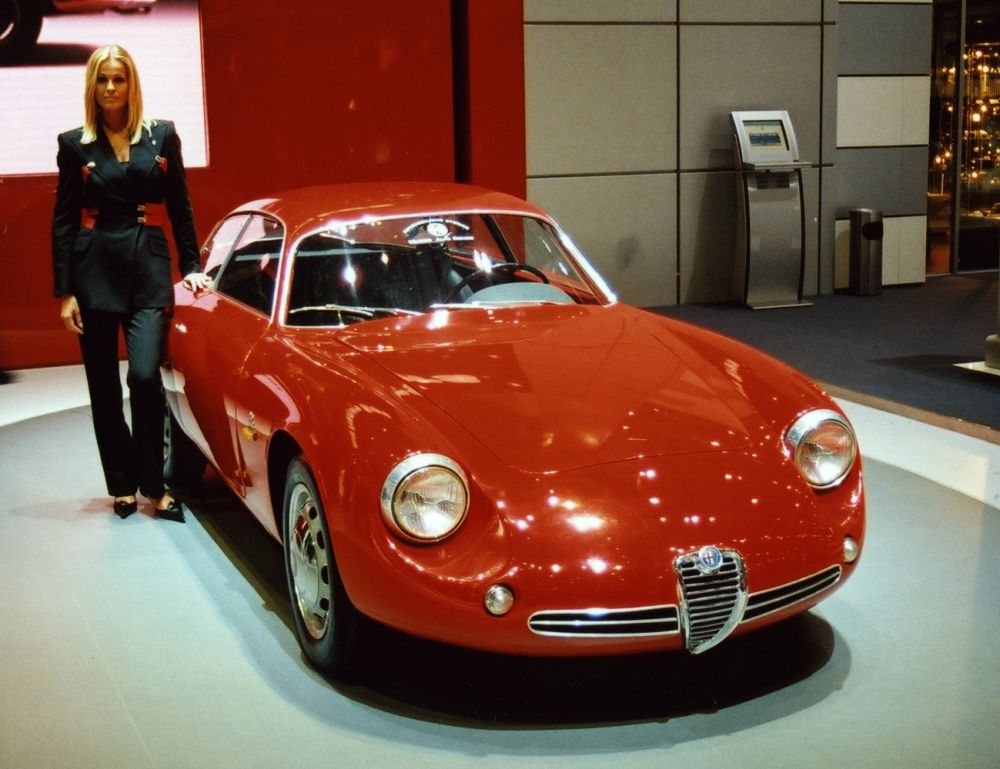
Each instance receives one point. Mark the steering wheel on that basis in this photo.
(499, 266)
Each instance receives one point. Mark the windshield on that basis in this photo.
(355, 272)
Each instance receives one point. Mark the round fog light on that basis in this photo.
(498, 600)
(851, 550)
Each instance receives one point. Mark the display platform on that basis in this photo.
(142, 643)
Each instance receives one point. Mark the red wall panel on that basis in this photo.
(489, 78)
(300, 93)
(297, 93)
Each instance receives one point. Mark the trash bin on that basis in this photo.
(866, 252)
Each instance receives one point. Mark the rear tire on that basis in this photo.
(326, 622)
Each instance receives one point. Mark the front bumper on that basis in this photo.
(592, 564)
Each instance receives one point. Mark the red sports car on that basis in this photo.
(428, 395)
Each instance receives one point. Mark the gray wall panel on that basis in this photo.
(885, 39)
(600, 98)
(753, 11)
(625, 224)
(599, 10)
(707, 236)
(831, 10)
(893, 179)
(748, 77)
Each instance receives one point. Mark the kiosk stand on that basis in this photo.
(771, 226)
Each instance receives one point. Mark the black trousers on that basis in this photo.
(131, 459)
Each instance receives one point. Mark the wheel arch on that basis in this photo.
(283, 449)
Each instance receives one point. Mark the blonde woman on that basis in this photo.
(121, 180)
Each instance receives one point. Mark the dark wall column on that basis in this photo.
(488, 42)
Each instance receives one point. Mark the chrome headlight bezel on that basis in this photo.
(423, 469)
(803, 435)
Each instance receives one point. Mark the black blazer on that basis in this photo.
(119, 264)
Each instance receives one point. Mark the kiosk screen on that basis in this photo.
(766, 134)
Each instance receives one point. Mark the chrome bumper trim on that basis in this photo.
(777, 598)
(633, 622)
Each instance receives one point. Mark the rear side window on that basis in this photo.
(250, 274)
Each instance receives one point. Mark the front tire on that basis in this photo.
(326, 621)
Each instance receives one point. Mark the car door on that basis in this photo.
(186, 346)
(214, 333)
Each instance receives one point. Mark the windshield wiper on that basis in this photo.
(453, 306)
(363, 312)
(491, 304)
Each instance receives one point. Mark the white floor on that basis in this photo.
(142, 643)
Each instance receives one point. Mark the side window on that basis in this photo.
(250, 274)
(221, 243)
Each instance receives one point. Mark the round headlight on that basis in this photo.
(823, 446)
(425, 497)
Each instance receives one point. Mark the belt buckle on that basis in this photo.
(141, 208)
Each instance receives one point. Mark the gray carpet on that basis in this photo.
(900, 345)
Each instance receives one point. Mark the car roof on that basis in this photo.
(309, 208)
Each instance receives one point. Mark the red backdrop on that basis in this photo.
(309, 92)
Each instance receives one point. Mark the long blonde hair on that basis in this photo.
(135, 120)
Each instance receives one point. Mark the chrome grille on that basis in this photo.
(712, 605)
(712, 601)
(769, 601)
(643, 621)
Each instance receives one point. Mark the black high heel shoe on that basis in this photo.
(172, 512)
(123, 508)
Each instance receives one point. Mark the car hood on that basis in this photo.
(550, 388)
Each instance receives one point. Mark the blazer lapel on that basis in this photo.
(106, 165)
(142, 159)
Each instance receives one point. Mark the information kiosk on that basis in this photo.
(770, 236)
